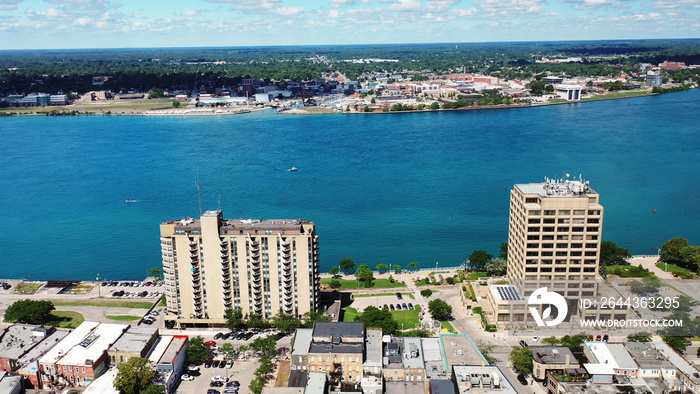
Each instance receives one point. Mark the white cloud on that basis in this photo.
(252, 5)
(189, 12)
(405, 5)
(81, 22)
(290, 10)
(675, 4)
(441, 5)
(9, 5)
(333, 14)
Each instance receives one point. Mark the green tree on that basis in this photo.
(439, 309)
(504, 250)
(286, 322)
(347, 264)
(312, 317)
(574, 342)
(413, 265)
(256, 320)
(671, 251)
(134, 376)
(154, 389)
(29, 311)
(334, 271)
(396, 268)
(334, 284)
(690, 255)
(434, 105)
(197, 351)
(227, 350)
(380, 318)
(155, 272)
(382, 268)
(479, 258)
(362, 273)
(611, 254)
(373, 101)
(685, 303)
(677, 343)
(496, 267)
(521, 358)
(426, 293)
(176, 104)
(551, 341)
(549, 89)
(486, 348)
(234, 319)
(267, 346)
(646, 285)
(639, 337)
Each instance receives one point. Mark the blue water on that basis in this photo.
(383, 188)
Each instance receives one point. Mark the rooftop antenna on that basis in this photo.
(199, 194)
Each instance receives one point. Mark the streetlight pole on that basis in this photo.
(99, 287)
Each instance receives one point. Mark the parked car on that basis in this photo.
(404, 306)
(386, 307)
(410, 306)
(192, 368)
(398, 307)
(218, 335)
(399, 296)
(229, 364)
(598, 338)
(522, 379)
(523, 343)
(391, 307)
(187, 377)
(222, 364)
(216, 383)
(606, 337)
(218, 378)
(227, 335)
(212, 391)
(215, 364)
(535, 339)
(207, 364)
(210, 343)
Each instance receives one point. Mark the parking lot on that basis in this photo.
(241, 371)
(388, 299)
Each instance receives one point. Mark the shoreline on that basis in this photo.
(105, 111)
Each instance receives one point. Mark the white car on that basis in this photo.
(187, 377)
(535, 339)
(193, 368)
(218, 378)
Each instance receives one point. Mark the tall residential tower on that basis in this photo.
(259, 266)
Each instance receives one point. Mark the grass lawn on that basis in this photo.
(447, 325)
(115, 304)
(668, 267)
(410, 295)
(123, 317)
(350, 313)
(317, 110)
(65, 319)
(477, 275)
(409, 318)
(629, 271)
(629, 93)
(27, 288)
(346, 284)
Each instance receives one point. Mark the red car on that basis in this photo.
(210, 343)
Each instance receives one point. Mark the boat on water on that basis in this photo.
(127, 200)
(292, 169)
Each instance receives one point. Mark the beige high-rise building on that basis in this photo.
(259, 266)
(554, 238)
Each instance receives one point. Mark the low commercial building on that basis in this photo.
(403, 360)
(552, 358)
(569, 92)
(10, 384)
(317, 383)
(654, 79)
(479, 379)
(169, 356)
(652, 364)
(300, 349)
(688, 377)
(16, 341)
(372, 367)
(337, 349)
(136, 342)
(81, 356)
(432, 358)
(613, 355)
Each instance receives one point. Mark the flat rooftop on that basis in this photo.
(329, 348)
(159, 348)
(373, 347)
(613, 354)
(647, 357)
(19, 339)
(104, 384)
(557, 188)
(459, 349)
(174, 348)
(552, 354)
(482, 380)
(135, 339)
(233, 226)
(94, 344)
(339, 330)
(413, 353)
(72, 339)
(302, 341)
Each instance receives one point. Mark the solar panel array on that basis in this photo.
(508, 293)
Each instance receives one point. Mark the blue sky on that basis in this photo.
(50, 24)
